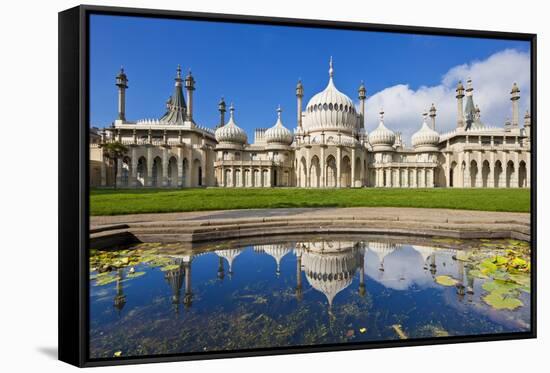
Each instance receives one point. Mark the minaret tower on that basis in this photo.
(122, 84)
(299, 96)
(515, 105)
(189, 87)
(469, 111)
(362, 98)
(433, 115)
(221, 108)
(527, 124)
(460, 105)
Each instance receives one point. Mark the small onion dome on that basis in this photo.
(231, 132)
(279, 133)
(425, 137)
(229, 255)
(382, 138)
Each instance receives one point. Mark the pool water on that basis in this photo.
(156, 298)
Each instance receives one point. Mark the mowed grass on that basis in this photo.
(137, 201)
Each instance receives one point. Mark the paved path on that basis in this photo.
(228, 224)
(391, 213)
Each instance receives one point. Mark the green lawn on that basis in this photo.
(135, 201)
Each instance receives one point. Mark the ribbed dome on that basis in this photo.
(231, 132)
(331, 273)
(382, 138)
(381, 249)
(277, 252)
(229, 255)
(425, 138)
(279, 134)
(330, 109)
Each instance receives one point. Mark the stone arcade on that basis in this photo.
(330, 147)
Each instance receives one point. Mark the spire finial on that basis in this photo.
(279, 110)
(231, 110)
(178, 71)
(381, 114)
(331, 68)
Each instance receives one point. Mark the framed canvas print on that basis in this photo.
(238, 186)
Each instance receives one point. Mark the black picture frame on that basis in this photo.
(74, 173)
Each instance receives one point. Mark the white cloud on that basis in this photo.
(492, 80)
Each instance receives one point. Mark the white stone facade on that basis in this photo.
(329, 148)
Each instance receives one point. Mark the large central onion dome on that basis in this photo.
(382, 138)
(279, 134)
(330, 273)
(426, 138)
(231, 133)
(330, 110)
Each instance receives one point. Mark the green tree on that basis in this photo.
(114, 151)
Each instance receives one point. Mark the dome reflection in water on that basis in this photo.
(289, 292)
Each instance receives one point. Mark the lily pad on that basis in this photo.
(170, 267)
(477, 273)
(487, 266)
(130, 276)
(502, 301)
(446, 280)
(500, 287)
(463, 256)
(105, 280)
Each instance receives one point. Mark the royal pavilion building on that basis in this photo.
(330, 147)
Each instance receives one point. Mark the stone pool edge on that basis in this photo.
(224, 225)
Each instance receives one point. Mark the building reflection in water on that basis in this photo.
(330, 267)
(229, 255)
(175, 280)
(277, 252)
(120, 298)
(178, 277)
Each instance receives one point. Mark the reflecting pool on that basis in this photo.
(158, 298)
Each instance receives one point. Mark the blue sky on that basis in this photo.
(257, 66)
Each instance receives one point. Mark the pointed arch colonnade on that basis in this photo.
(177, 167)
(332, 170)
(492, 170)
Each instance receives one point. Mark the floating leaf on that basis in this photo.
(500, 287)
(477, 273)
(117, 354)
(502, 301)
(463, 256)
(446, 280)
(518, 262)
(105, 280)
(133, 275)
(500, 260)
(362, 330)
(170, 267)
(487, 266)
